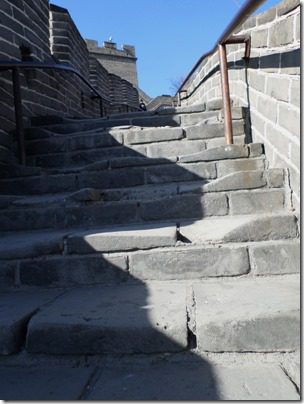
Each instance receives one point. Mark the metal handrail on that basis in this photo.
(16, 66)
(246, 10)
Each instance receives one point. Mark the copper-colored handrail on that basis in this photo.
(16, 66)
(246, 10)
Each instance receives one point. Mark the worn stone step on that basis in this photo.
(210, 129)
(240, 228)
(248, 315)
(140, 318)
(164, 207)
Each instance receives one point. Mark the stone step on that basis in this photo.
(112, 255)
(240, 180)
(126, 173)
(248, 315)
(139, 318)
(173, 207)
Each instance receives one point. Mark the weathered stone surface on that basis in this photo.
(187, 109)
(193, 119)
(145, 193)
(275, 177)
(220, 141)
(192, 379)
(190, 263)
(16, 308)
(249, 324)
(33, 244)
(140, 161)
(170, 120)
(184, 206)
(123, 177)
(240, 228)
(229, 166)
(256, 149)
(101, 213)
(42, 384)
(122, 238)
(174, 148)
(218, 153)
(179, 173)
(154, 135)
(86, 195)
(65, 271)
(292, 365)
(260, 201)
(282, 257)
(286, 6)
(128, 319)
(234, 181)
(210, 130)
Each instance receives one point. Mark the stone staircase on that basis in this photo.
(142, 236)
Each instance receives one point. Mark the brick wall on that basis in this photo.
(270, 85)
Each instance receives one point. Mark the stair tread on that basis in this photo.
(259, 311)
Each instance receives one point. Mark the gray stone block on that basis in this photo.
(43, 383)
(170, 120)
(179, 173)
(153, 135)
(256, 149)
(51, 145)
(92, 141)
(184, 206)
(289, 119)
(101, 213)
(281, 33)
(193, 119)
(140, 161)
(218, 153)
(217, 142)
(282, 257)
(260, 38)
(7, 273)
(31, 244)
(189, 263)
(122, 239)
(125, 177)
(64, 271)
(286, 6)
(16, 309)
(275, 177)
(225, 167)
(236, 114)
(260, 201)
(249, 324)
(212, 130)
(174, 148)
(267, 16)
(97, 320)
(278, 88)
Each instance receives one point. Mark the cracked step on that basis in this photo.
(142, 318)
(263, 315)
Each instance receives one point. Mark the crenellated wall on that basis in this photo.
(51, 35)
(269, 85)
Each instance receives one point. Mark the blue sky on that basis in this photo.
(169, 35)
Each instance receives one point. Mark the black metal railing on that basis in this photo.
(17, 66)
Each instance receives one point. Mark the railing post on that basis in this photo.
(225, 93)
(19, 115)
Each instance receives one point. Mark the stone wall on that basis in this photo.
(269, 85)
(121, 62)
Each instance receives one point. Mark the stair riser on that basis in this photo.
(192, 263)
(188, 206)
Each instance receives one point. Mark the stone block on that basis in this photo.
(217, 142)
(275, 177)
(291, 62)
(92, 141)
(282, 257)
(125, 177)
(256, 149)
(101, 213)
(43, 383)
(281, 33)
(295, 93)
(174, 148)
(250, 324)
(180, 173)
(289, 119)
(277, 88)
(74, 323)
(193, 119)
(225, 167)
(257, 81)
(270, 62)
(7, 273)
(236, 181)
(64, 271)
(190, 263)
(16, 309)
(85, 195)
(153, 135)
(267, 16)
(170, 120)
(218, 153)
(140, 161)
(121, 239)
(260, 38)
(261, 201)
(184, 206)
